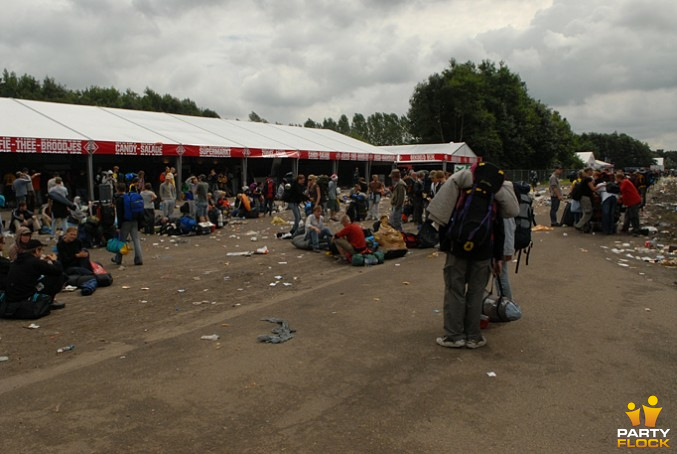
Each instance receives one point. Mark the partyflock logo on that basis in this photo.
(650, 436)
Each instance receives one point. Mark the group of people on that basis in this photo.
(418, 196)
(596, 198)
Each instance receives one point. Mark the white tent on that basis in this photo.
(128, 132)
(458, 153)
(44, 127)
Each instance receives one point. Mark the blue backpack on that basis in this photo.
(133, 206)
(187, 224)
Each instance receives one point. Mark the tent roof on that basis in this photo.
(458, 152)
(118, 131)
(588, 157)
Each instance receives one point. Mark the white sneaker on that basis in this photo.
(447, 342)
(476, 343)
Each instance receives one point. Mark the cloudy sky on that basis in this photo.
(606, 65)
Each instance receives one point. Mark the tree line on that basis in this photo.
(28, 87)
(489, 108)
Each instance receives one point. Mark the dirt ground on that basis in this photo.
(363, 373)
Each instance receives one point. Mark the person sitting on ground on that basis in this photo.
(70, 252)
(22, 217)
(350, 239)
(4, 266)
(23, 236)
(31, 273)
(315, 228)
(243, 206)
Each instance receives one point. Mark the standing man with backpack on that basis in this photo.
(129, 209)
(469, 209)
(555, 195)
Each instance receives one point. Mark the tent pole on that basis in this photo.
(179, 174)
(90, 176)
(334, 166)
(244, 172)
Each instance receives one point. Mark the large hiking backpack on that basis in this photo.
(323, 183)
(523, 222)
(470, 228)
(133, 206)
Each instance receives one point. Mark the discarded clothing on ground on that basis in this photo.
(282, 333)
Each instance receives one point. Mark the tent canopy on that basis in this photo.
(459, 153)
(43, 127)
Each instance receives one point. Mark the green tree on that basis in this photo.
(488, 107)
(358, 127)
(343, 125)
(253, 116)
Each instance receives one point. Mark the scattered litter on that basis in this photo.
(437, 311)
(262, 250)
(33, 326)
(145, 288)
(277, 220)
(542, 228)
(584, 250)
(616, 251)
(239, 254)
(238, 304)
(4, 358)
(286, 284)
(143, 301)
(278, 277)
(69, 288)
(251, 233)
(406, 282)
(273, 284)
(211, 337)
(625, 265)
(181, 290)
(565, 234)
(125, 287)
(282, 333)
(647, 309)
(491, 374)
(254, 238)
(281, 263)
(67, 348)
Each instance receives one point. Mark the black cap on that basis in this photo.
(32, 245)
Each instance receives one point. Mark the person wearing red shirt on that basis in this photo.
(632, 201)
(350, 239)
